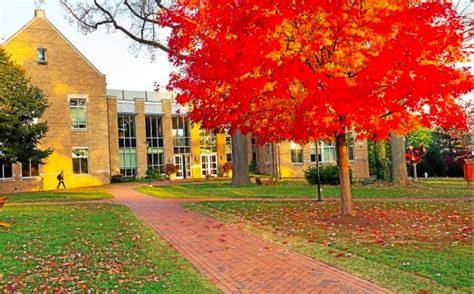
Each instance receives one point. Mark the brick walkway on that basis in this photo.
(236, 261)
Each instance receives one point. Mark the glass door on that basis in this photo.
(178, 161)
(209, 165)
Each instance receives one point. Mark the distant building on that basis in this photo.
(97, 133)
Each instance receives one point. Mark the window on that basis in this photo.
(127, 145)
(154, 139)
(6, 171)
(327, 152)
(254, 149)
(80, 161)
(350, 151)
(208, 141)
(42, 56)
(228, 148)
(78, 113)
(268, 153)
(29, 169)
(181, 135)
(128, 162)
(296, 153)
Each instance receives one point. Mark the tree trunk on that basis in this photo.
(381, 161)
(240, 162)
(344, 175)
(399, 164)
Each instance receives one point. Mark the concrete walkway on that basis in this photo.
(234, 260)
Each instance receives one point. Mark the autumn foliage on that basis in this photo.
(308, 70)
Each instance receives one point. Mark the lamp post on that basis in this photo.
(318, 181)
(148, 164)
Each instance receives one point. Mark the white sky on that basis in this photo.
(108, 52)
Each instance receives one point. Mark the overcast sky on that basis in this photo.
(108, 52)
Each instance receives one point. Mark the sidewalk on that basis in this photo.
(236, 261)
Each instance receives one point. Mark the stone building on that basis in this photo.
(97, 133)
(77, 115)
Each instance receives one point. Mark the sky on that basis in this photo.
(110, 53)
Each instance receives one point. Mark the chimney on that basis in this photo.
(39, 13)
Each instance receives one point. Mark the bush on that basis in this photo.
(121, 179)
(153, 174)
(227, 167)
(170, 169)
(329, 175)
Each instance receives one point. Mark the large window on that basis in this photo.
(228, 148)
(154, 139)
(208, 141)
(80, 161)
(78, 110)
(327, 152)
(181, 135)
(29, 169)
(6, 171)
(127, 145)
(296, 153)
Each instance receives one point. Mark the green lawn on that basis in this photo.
(404, 246)
(60, 195)
(437, 189)
(96, 247)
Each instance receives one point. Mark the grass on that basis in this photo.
(436, 189)
(84, 194)
(404, 246)
(89, 247)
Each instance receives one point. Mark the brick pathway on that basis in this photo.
(236, 261)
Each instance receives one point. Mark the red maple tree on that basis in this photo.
(318, 70)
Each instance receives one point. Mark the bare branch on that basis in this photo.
(134, 18)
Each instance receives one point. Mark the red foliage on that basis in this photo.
(415, 155)
(303, 70)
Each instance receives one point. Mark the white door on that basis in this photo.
(209, 165)
(187, 166)
(178, 161)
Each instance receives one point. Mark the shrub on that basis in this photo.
(227, 167)
(329, 175)
(153, 174)
(121, 179)
(170, 169)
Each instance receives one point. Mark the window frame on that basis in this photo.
(78, 97)
(3, 178)
(181, 122)
(207, 141)
(127, 143)
(29, 168)
(41, 55)
(155, 142)
(228, 147)
(294, 148)
(80, 161)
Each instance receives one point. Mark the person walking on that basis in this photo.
(60, 178)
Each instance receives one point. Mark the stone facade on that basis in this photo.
(119, 123)
(65, 74)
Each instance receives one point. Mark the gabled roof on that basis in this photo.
(39, 14)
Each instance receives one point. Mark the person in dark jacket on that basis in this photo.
(60, 178)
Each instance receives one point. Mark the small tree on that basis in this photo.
(414, 155)
(21, 105)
